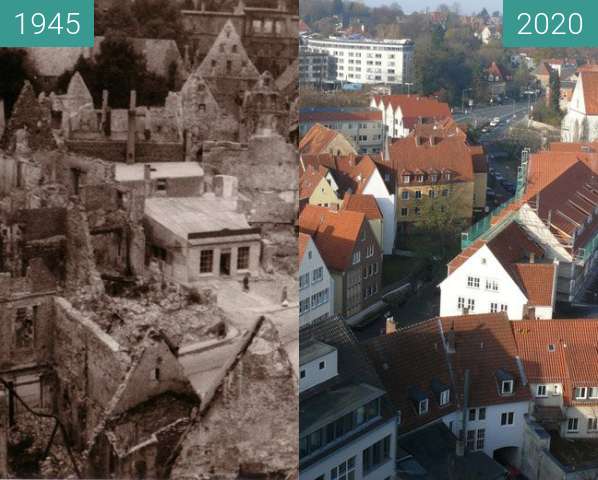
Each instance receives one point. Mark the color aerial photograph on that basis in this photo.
(148, 252)
(448, 228)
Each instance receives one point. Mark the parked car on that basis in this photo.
(499, 176)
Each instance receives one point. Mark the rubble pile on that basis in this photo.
(183, 315)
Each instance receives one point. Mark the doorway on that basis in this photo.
(225, 263)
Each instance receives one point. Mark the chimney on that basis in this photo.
(132, 128)
(532, 257)
(225, 186)
(147, 172)
(391, 326)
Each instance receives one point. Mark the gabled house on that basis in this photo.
(367, 205)
(347, 428)
(316, 189)
(581, 121)
(350, 251)
(316, 288)
(360, 175)
(401, 113)
(434, 164)
(461, 371)
(507, 273)
(496, 81)
(320, 139)
(555, 204)
(560, 361)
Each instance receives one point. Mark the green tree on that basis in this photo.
(555, 91)
(439, 226)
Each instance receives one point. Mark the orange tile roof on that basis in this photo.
(589, 81)
(537, 281)
(574, 359)
(448, 153)
(414, 107)
(317, 139)
(512, 247)
(334, 233)
(414, 356)
(309, 180)
(495, 70)
(365, 204)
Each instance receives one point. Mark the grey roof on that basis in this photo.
(191, 215)
(312, 349)
(433, 458)
(328, 406)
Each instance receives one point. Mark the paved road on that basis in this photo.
(480, 115)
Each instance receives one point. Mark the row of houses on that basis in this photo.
(446, 396)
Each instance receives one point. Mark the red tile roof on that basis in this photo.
(309, 180)
(440, 152)
(573, 360)
(365, 204)
(415, 356)
(413, 107)
(495, 70)
(537, 281)
(513, 248)
(334, 233)
(589, 80)
(317, 139)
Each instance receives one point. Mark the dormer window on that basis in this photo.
(420, 178)
(406, 178)
(445, 398)
(506, 382)
(448, 175)
(434, 177)
(581, 393)
(423, 406)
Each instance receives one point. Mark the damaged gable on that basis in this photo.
(259, 398)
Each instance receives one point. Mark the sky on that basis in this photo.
(467, 6)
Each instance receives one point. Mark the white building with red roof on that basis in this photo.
(560, 361)
(505, 273)
(401, 113)
(316, 288)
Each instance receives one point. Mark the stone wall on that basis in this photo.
(116, 150)
(89, 367)
(26, 322)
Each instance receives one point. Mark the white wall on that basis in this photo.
(314, 375)
(356, 449)
(386, 203)
(308, 266)
(484, 265)
(496, 435)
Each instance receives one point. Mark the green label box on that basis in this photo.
(550, 23)
(46, 23)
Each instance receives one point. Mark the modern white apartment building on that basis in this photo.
(368, 61)
(315, 68)
(347, 429)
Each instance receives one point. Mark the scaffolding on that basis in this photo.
(484, 227)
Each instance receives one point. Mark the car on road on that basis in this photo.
(485, 130)
(499, 176)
